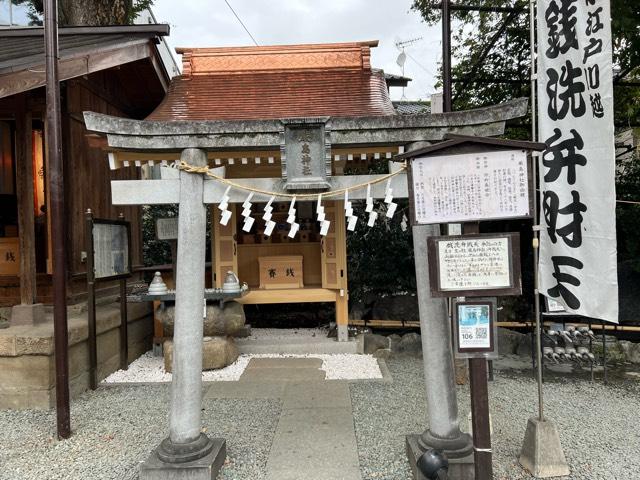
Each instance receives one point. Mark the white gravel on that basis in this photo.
(150, 369)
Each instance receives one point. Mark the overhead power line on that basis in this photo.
(241, 22)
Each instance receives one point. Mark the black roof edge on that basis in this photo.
(159, 29)
(451, 140)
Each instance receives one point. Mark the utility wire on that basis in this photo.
(241, 22)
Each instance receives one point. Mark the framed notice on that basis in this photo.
(474, 265)
(475, 328)
(111, 253)
(167, 228)
(467, 187)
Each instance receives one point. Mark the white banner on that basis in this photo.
(575, 106)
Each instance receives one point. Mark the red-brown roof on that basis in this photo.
(251, 83)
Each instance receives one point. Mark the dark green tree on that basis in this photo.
(491, 60)
(89, 12)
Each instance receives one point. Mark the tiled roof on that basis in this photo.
(276, 82)
(411, 107)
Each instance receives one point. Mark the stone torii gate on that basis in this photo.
(188, 453)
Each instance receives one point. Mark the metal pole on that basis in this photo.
(58, 224)
(446, 58)
(536, 227)
(91, 303)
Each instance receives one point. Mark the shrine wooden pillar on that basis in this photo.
(24, 187)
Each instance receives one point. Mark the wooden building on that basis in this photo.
(114, 70)
(241, 106)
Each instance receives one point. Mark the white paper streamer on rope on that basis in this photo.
(223, 207)
(291, 219)
(369, 207)
(348, 213)
(403, 223)
(388, 199)
(269, 224)
(246, 213)
(373, 216)
(324, 223)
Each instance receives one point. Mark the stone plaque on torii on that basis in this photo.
(187, 452)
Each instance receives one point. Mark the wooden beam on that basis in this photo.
(290, 295)
(24, 184)
(24, 80)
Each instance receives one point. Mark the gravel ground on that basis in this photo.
(115, 428)
(598, 424)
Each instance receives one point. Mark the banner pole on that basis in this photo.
(536, 228)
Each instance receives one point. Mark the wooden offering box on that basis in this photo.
(9, 256)
(281, 271)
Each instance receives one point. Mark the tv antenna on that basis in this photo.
(402, 58)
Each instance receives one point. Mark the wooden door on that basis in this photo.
(334, 248)
(224, 246)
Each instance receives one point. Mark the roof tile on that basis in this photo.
(276, 82)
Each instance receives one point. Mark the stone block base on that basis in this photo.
(217, 352)
(459, 468)
(205, 468)
(541, 452)
(27, 314)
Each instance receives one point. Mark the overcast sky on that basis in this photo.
(210, 23)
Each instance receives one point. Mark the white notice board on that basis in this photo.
(474, 264)
(111, 249)
(470, 186)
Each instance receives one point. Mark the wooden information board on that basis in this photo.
(474, 265)
(470, 186)
(112, 258)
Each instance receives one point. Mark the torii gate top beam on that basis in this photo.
(143, 135)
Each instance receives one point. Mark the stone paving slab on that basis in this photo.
(246, 390)
(284, 363)
(329, 394)
(282, 375)
(327, 472)
(317, 441)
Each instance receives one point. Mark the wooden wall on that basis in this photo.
(87, 173)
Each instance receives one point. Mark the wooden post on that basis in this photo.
(24, 184)
(480, 404)
(124, 325)
(92, 341)
(57, 216)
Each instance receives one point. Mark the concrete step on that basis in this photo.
(297, 346)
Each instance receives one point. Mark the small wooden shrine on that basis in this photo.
(290, 135)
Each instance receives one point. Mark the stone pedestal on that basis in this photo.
(217, 352)
(541, 452)
(228, 320)
(460, 467)
(27, 314)
(205, 468)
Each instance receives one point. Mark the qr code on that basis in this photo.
(481, 333)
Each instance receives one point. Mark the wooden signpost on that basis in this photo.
(108, 258)
(466, 180)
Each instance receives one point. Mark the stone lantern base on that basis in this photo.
(156, 466)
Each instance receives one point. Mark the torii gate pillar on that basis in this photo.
(188, 453)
